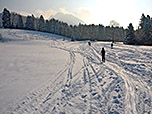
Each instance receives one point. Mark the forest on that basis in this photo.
(92, 32)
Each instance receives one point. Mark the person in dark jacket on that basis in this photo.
(103, 54)
(111, 45)
(89, 43)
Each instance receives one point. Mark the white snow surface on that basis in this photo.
(42, 74)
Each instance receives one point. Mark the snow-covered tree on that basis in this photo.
(130, 37)
(41, 24)
(20, 22)
(47, 28)
(14, 20)
(30, 23)
(101, 33)
(145, 32)
(52, 25)
(56, 31)
(148, 27)
(113, 24)
(142, 21)
(6, 18)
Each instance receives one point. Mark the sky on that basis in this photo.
(90, 11)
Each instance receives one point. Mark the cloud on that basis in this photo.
(46, 13)
(64, 11)
(83, 13)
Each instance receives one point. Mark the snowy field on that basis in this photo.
(42, 74)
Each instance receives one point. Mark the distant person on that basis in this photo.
(89, 43)
(103, 54)
(111, 45)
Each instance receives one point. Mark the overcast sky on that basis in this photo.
(90, 11)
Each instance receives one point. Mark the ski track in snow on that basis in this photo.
(121, 85)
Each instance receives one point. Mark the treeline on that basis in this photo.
(143, 35)
(80, 32)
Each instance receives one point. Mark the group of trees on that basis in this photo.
(143, 35)
(11, 20)
(82, 32)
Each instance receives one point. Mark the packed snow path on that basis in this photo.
(86, 85)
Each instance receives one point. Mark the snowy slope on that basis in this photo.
(41, 74)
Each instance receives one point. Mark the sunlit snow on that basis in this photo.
(42, 74)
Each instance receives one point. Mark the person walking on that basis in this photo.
(103, 54)
(111, 45)
(89, 43)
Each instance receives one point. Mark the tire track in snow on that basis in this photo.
(133, 99)
(90, 90)
(94, 80)
(110, 85)
(95, 75)
(132, 94)
(45, 91)
(95, 88)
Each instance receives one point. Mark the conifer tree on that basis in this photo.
(30, 24)
(41, 24)
(148, 27)
(47, 29)
(20, 22)
(130, 37)
(6, 18)
(145, 34)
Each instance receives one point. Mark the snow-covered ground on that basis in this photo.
(42, 74)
